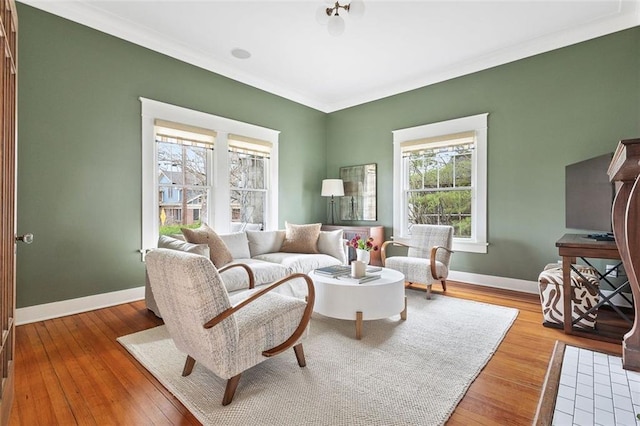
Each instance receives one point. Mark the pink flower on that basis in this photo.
(358, 243)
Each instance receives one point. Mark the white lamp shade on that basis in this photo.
(335, 25)
(356, 9)
(332, 187)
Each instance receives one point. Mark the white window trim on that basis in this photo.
(478, 243)
(221, 220)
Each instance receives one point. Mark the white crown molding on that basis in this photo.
(82, 12)
(75, 306)
(627, 17)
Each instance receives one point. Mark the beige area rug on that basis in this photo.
(411, 372)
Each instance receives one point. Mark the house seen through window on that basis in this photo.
(184, 175)
(201, 168)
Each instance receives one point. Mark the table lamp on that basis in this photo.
(331, 188)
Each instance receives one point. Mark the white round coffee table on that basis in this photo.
(376, 299)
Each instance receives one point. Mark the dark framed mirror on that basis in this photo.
(359, 201)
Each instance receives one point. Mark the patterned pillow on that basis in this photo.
(301, 238)
(218, 251)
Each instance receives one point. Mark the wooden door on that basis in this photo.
(8, 35)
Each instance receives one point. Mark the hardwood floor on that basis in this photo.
(72, 370)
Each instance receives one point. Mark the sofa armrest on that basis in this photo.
(252, 278)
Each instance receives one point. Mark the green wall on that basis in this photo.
(545, 112)
(79, 127)
(80, 153)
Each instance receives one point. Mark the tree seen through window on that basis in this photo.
(182, 184)
(439, 187)
(248, 171)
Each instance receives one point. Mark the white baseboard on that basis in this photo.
(74, 306)
(514, 284)
(89, 303)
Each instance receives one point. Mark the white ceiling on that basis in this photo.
(396, 46)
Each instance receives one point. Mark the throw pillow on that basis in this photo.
(237, 244)
(332, 243)
(301, 238)
(262, 242)
(219, 253)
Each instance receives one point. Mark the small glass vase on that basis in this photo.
(363, 256)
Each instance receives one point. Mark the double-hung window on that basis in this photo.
(440, 179)
(183, 156)
(201, 168)
(249, 165)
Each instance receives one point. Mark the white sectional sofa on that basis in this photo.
(260, 250)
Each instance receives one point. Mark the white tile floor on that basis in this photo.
(595, 390)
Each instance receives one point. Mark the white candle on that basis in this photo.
(358, 269)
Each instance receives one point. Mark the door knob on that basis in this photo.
(26, 238)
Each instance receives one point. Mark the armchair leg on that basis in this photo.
(300, 355)
(188, 366)
(230, 390)
(428, 291)
(444, 285)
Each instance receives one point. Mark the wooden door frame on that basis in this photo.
(8, 159)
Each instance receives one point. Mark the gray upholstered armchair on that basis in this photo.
(226, 334)
(428, 257)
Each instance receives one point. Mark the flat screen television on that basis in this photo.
(589, 195)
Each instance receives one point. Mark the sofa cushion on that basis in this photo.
(219, 253)
(299, 262)
(301, 238)
(261, 242)
(174, 244)
(296, 287)
(264, 272)
(238, 244)
(332, 243)
(416, 269)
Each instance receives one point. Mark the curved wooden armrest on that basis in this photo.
(252, 279)
(432, 263)
(306, 316)
(383, 249)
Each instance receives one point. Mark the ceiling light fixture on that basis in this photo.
(240, 53)
(330, 16)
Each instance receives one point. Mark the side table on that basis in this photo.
(572, 246)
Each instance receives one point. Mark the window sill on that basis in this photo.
(469, 246)
(459, 245)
